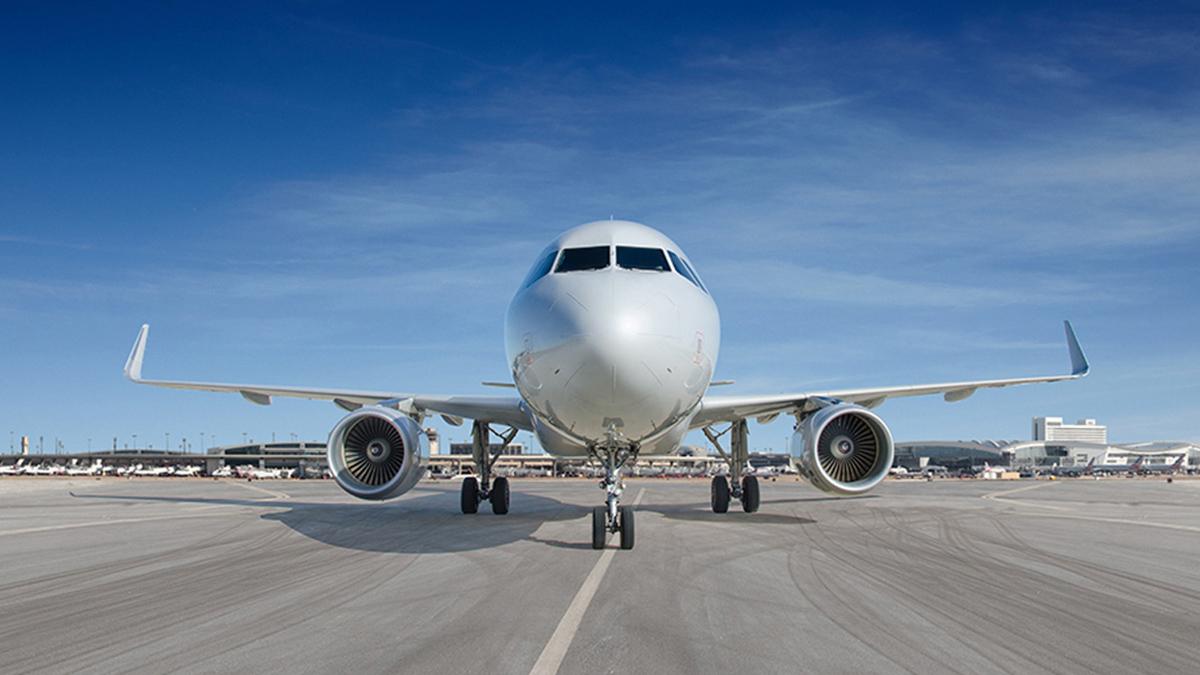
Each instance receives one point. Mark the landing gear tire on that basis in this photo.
(470, 495)
(750, 494)
(627, 527)
(720, 494)
(599, 527)
(499, 496)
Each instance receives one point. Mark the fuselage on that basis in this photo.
(612, 338)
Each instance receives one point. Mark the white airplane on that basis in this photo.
(45, 470)
(611, 340)
(92, 469)
(13, 469)
(222, 472)
(187, 471)
(153, 471)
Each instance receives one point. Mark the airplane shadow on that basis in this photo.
(703, 513)
(430, 523)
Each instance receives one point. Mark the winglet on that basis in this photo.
(133, 365)
(1079, 362)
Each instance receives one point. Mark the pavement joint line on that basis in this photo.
(1126, 521)
(555, 650)
(274, 494)
(1005, 493)
(96, 523)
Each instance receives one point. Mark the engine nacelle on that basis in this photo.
(375, 453)
(843, 448)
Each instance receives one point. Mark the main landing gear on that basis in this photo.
(736, 486)
(612, 517)
(485, 488)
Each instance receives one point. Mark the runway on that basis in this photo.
(155, 575)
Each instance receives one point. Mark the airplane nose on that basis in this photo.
(624, 356)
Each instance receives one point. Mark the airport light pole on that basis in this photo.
(167, 447)
(135, 441)
(202, 448)
(89, 443)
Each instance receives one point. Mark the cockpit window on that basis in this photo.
(685, 270)
(581, 259)
(540, 269)
(635, 258)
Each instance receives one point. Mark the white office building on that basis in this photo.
(1084, 431)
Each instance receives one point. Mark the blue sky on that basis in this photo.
(347, 196)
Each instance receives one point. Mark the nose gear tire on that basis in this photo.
(599, 527)
(627, 527)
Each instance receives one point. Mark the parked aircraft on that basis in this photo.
(1114, 469)
(13, 469)
(611, 340)
(1164, 468)
(1075, 471)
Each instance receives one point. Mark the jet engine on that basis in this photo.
(375, 453)
(843, 448)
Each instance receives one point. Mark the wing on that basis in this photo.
(502, 409)
(729, 408)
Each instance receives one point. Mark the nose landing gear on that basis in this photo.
(736, 486)
(612, 517)
(485, 488)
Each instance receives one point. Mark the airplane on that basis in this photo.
(1076, 470)
(92, 469)
(611, 340)
(1164, 468)
(188, 471)
(13, 469)
(222, 472)
(1112, 469)
(45, 470)
(154, 471)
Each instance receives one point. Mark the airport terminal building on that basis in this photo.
(1054, 444)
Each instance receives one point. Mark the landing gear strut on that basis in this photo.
(736, 486)
(612, 517)
(485, 488)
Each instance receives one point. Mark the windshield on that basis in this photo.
(581, 259)
(540, 269)
(686, 271)
(634, 258)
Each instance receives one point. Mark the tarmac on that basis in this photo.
(221, 576)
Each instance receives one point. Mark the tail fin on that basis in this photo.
(1137, 464)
